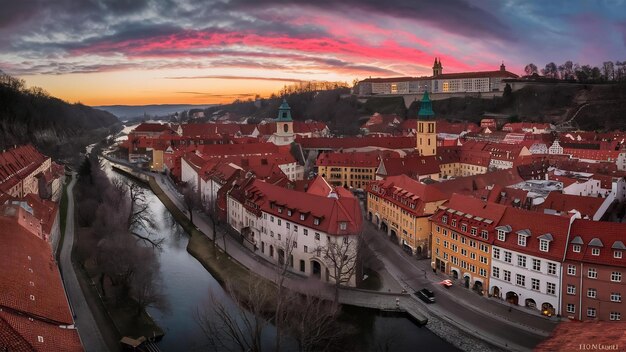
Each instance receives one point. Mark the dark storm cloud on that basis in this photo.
(457, 16)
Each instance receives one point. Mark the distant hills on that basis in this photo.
(125, 112)
(592, 106)
(57, 128)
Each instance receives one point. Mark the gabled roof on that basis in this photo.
(473, 212)
(412, 165)
(329, 211)
(594, 234)
(587, 206)
(539, 226)
(356, 142)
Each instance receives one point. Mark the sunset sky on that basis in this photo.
(136, 52)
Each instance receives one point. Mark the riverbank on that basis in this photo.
(117, 316)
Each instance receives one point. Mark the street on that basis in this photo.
(481, 316)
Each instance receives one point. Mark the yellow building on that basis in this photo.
(462, 234)
(400, 206)
(354, 170)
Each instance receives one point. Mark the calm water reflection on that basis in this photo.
(188, 288)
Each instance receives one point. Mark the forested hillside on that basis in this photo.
(57, 128)
(601, 106)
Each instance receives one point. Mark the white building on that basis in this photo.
(271, 219)
(526, 259)
(555, 148)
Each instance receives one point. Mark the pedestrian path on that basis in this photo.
(88, 329)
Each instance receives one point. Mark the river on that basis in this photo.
(188, 287)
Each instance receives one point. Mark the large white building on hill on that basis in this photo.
(439, 82)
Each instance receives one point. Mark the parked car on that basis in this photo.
(426, 295)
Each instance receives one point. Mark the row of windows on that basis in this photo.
(595, 251)
(592, 273)
(593, 293)
(520, 280)
(544, 245)
(591, 312)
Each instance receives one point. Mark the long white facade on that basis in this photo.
(534, 280)
(270, 234)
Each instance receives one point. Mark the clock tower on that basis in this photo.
(426, 128)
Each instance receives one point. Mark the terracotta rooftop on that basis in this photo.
(571, 335)
(610, 236)
(17, 163)
(30, 287)
(587, 206)
(538, 226)
(353, 159)
(356, 142)
(329, 211)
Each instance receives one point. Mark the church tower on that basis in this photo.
(426, 128)
(284, 126)
(437, 68)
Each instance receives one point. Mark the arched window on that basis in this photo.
(286, 127)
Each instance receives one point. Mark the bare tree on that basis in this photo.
(238, 327)
(140, 218)
(339, 255)
(285, 248)
(210, 208)
(191, 198)
(146, 286)
(530, 69)
(312, 322)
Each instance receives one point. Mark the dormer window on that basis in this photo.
(301, 216)
(316, 221)
(444, 219)
(595, 251)
(617, 254)
(473, 231)
(484, 234)
(343, 225)
(501, 235)
(288, 212)
(280, 210)
(576, 248)
(453, 222)
(463, 227)
(521, 240)
(544, 245)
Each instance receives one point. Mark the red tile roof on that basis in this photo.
(592, 154)
(30, 285)
(412, 165)
(538, 224)
(356, 142)
(151, 127)
(587, 206)
(329, 210)
(18, 163)
(571, 335)
(407, 193)
(469, 184)
(25, 333)
(478, 74)
(609, 233)
(472, 212)
(353, 159)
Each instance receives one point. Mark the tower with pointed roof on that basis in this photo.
(437, 68)
(284, 126)
(426, 128)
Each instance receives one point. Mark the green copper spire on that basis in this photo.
(284, 112)
(426, 108)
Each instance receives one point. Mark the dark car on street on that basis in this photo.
(426, 295)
